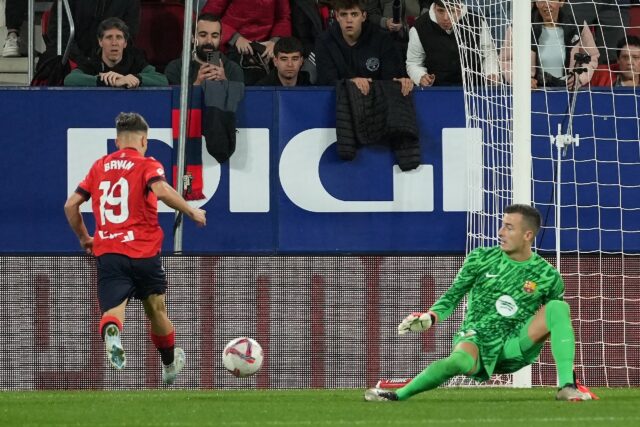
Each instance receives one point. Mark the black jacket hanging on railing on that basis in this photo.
(221, 99)
(384, 116)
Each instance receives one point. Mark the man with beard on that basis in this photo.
(206, 44)
(115, 65)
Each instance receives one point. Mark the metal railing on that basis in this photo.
(31, 34)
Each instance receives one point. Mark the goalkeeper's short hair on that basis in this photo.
(529, 214)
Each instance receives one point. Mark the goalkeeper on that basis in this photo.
(514, 304)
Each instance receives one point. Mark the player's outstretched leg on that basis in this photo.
(458, 363)
(110, 327)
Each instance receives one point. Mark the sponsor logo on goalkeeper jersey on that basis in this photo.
(506, 306)
(529, 287)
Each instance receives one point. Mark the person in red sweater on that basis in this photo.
(251, 21)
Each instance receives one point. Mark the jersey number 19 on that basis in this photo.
(120, 202)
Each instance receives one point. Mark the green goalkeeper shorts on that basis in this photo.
(505, 358)
(512, 358)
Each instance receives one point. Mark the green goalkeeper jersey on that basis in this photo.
(503, 295)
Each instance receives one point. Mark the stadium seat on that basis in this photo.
(160, 34)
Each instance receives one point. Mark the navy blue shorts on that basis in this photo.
(121, 278)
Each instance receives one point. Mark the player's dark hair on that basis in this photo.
(130, 122)
(288, 45)
(113, 24)
(628, 40)
(349, 4)
(529, 214)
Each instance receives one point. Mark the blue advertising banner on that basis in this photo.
(285, 190)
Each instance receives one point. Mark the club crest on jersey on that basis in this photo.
(529, 287)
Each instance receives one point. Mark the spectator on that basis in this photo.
(432, 55)
(115, 65)
(626, 72)
(383, 12)
(15, 12)
(608, 18)
(309, 18)
(87, 16)
(496, 14)
(555, 42)
(288, 60)
(357, 50)
(245, 21)
(205, 44)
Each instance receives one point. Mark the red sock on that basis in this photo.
(165, 345)
(106, 320)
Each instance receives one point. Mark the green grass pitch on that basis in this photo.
(442, 407)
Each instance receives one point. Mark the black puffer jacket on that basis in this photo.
(383, 117)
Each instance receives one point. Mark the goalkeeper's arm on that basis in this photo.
(417, 322)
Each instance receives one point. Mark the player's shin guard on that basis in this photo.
(107, 320)
(459, 362)
(563, 343)
(165, 345)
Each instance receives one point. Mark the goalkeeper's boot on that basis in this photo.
(170, 372)
(583, 388)
(115, 352)
(571, 393)
(376, 394)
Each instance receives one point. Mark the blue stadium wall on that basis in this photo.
(285, 190)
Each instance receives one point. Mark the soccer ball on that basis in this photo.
(242, 357)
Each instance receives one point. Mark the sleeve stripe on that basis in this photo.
(84, 193)
(154, 179)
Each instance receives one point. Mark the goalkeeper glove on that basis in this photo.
(415, 322)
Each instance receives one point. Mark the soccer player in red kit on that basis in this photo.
(125, 187)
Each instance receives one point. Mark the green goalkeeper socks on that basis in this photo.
(459, 362)
(563, 342)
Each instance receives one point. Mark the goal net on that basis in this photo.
(573, 153)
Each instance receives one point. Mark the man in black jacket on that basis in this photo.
(433, 53)
(355, 49)
(207, 62)
(287, 60)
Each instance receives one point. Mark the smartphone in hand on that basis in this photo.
(214, 58)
